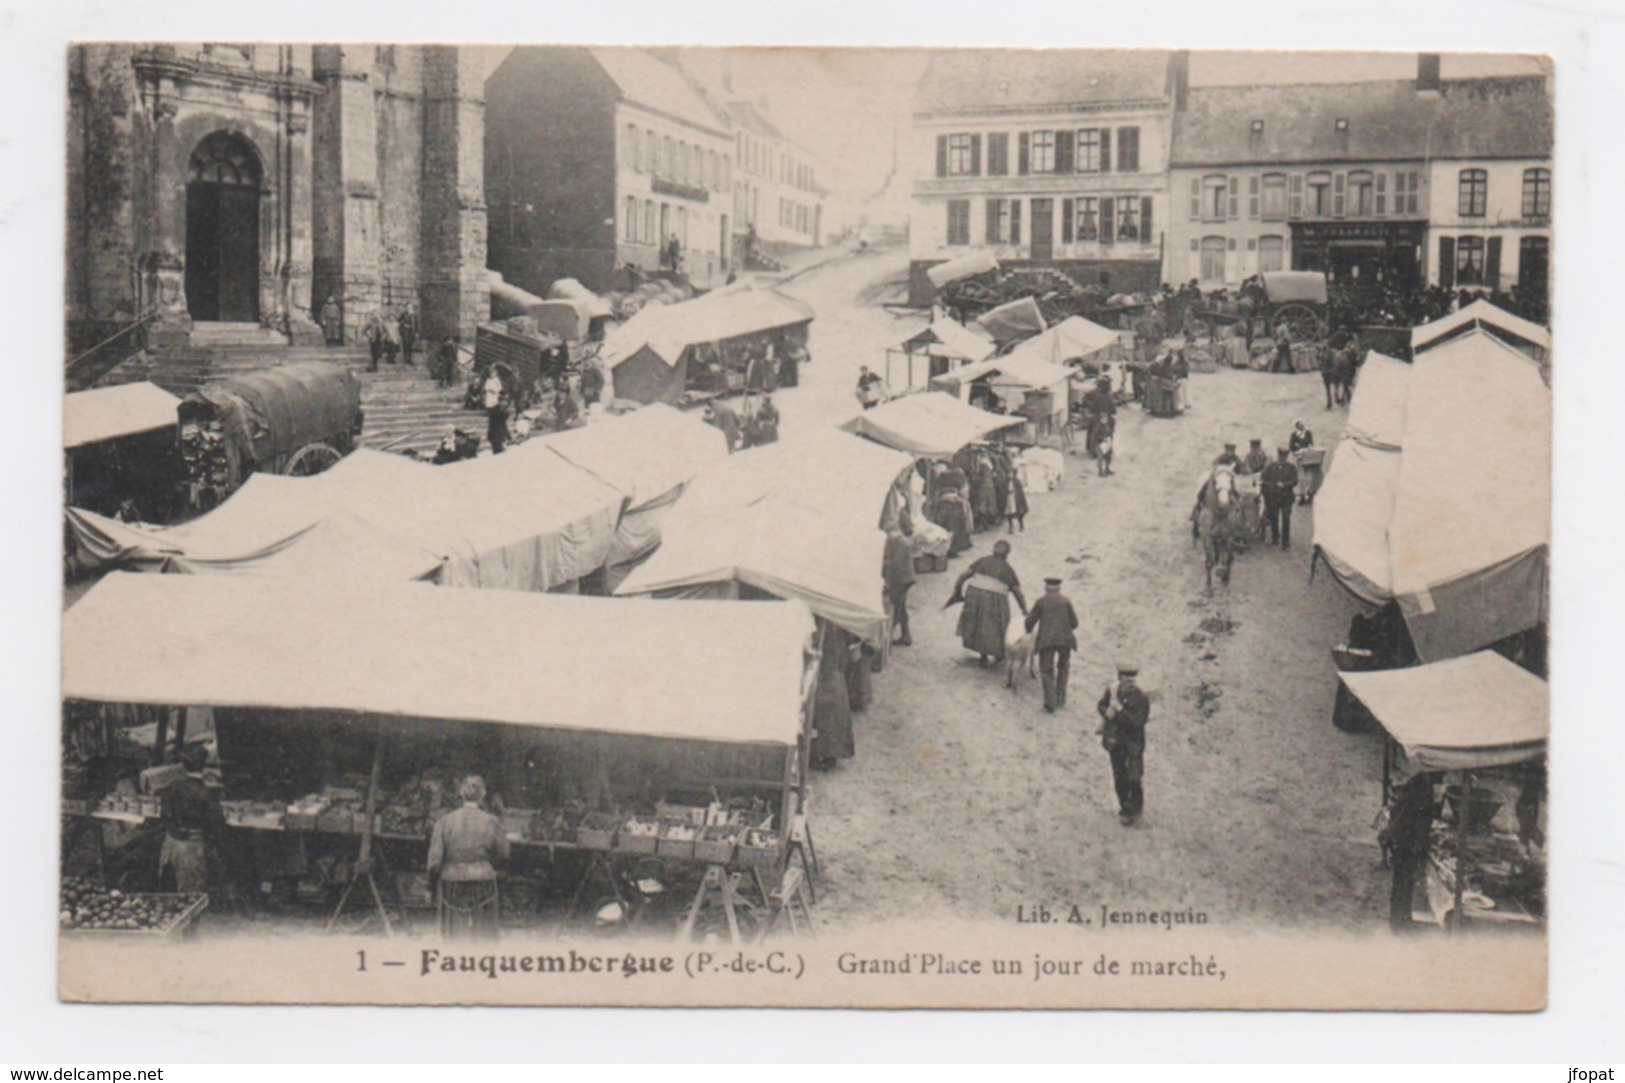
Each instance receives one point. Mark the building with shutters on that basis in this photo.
(595, 158)
(1055, 158)
(776, 189)
(217, 187)
(1371, 182)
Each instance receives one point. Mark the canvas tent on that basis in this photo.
(519, 523)
(110, 413)
(933, 425)
(1305, 287)
(650, 455)
(1454, 526)
(288, 646)
(1012, 321)
(1074, 338)
(1010, 377)
(1377, 411)
(780, 549)
(648, 355)
(944, 344)
(1466, 713)
(1517, 332)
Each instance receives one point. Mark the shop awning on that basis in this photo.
(1514, 330)
(707, 671)
(108, 413)
(1010, 371)
(668, 330)
(929, 425)
(1074, 337)
(1466, 713)
(782, 549)
(946, 338)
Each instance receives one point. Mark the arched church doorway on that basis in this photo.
(223, 230)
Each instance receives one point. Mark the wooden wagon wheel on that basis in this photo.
(1300, 321)
(312, 459)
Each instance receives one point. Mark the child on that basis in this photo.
(1015, 505)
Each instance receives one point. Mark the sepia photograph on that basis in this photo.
(569, 524)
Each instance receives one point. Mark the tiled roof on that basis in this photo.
(1467, 118)
(748, 115)
(980, 80)
(648, 81)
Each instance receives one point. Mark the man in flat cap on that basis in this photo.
(1057, 624)
(1124, 712)
(1228, 457)
(1280, 478)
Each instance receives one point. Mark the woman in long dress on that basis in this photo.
(952, 508)
(832, 703)
(985, 588)
(983, 504)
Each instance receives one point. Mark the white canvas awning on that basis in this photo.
(108, 413)
(929, 425)
(1074, 337)
(1471, 712)
(1377, 411)
(946, 338)
(705, 671)
(1515, 330)
(964, 267)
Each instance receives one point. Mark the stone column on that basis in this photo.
(298, 300)
(344, 178)
(164, 261)
(455, 294)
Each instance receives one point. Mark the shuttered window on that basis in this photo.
(1252, 197)
(1146, 234)
(1066, 221)
(1234, 202)
(1063, 151)
(1297, 195)
(1086, 218)
(1015, 221)
(959, 221)
(1108, 223)
(1339, 195)
(1041, 153)
(1128, 218)
(1196, 198)
(1022, 153)
(1447, 262)
(1128, 150)
(998, 154)
(1472, 194)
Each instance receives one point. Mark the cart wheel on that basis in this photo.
(312, 459)
(1301, 321)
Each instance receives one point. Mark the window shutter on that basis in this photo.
(1145, 220)
(1066, 221)
(976, 156)
(1021, 154)
(993, 221)
(1235, 198)
(1339, 194)
(1382, 194)
(942, 156)
(1252, 197)
(1064, 142)
(1015, 221)
(998, 154)
(1105, 150)
(1447, 262)
(1229, 244)
(1128, 150)
(1108, 220)
(1297, 195)
(1492, 263)
(1196, 198)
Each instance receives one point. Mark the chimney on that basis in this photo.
(1427, 73)
(1179, 78)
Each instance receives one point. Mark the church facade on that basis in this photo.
(245, 184)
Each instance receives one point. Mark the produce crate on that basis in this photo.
(597, 831)
(413, 890)
(176, 925)
(551, 825)
(689, 814)
(760, 849)
(302, 815)
(340, 821)
(680, 848)
(516, 822)
(639, 843)
(716, 844)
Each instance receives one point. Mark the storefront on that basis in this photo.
(1361, 253)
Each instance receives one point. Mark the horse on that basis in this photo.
(1337, 373)
(1211, 523)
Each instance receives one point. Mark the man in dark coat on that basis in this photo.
(1124, 714)
(1405, 837)
(1280, 478)
(407, 324)
(194, 827)
(897, 571)
(1056, 622)
(1256, 459)
(1283, 351)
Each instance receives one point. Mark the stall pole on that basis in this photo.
(363, 865)
(1464, 781)
(160, 745)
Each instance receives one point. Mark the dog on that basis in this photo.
(1020, 653)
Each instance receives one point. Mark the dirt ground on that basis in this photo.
(966, 799)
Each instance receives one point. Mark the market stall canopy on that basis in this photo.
(948, 338)
(779, 548)
(668, 330)
(1377, 410)
(964, 267)
(1010, 371)
(1472, 517)
(1012, 321)
(844, 478)
(1454, 523)
(1072, 338)
(516, 522)
(508, 300)
(931, 425)
(704, 671)
(1306, 287)
(108, 413)
(1465, 713)
(1515, 331)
